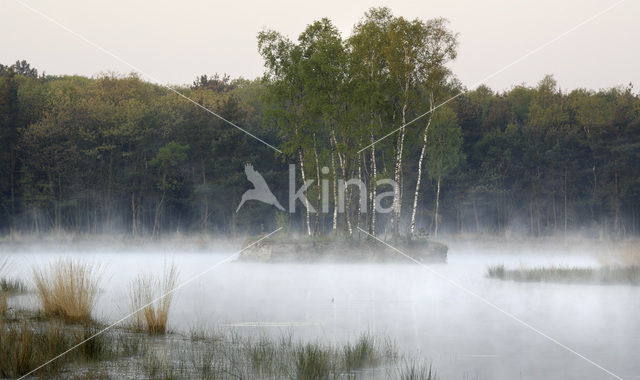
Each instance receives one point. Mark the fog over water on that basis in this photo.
(426, 316)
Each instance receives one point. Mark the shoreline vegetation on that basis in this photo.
(144, 347)
(27, 340)
(606, 275)
(619, 265)
(113, 152)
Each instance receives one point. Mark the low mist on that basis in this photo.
(424, 315)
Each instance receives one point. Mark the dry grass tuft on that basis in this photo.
(152, 313)
(68, 289)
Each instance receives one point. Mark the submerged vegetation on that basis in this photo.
(629, 275)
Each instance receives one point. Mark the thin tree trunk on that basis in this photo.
(342, 162)
(565, 203)
(437, 207)
(372, 225)
(360, 194)
(398, 171)
(156, 219)
(400, 149)
(420, 161)
(475, 213)
(304, 180)
(12, 181)
(234, 216)
(397, 197)
(334, 226)
(205, 217)
(134, 224)
(616, 219)
(315, 151)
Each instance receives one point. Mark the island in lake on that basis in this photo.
(289, 248)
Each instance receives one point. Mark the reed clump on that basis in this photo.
(413, 370)
(151, 300)
(68, 289)
(364, 353)
(313, 361)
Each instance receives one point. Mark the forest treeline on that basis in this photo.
(114, 153)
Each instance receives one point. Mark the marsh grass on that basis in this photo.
(7, 284)
(12, 286)
(3, 303)
(68, 289)
(629, 275)
(496, 271)
(26, 344)
(120, 353)
(203, 334)
(151, 313)
(158, 366)
(412, 370)
(363, 353)
(313, 361)
(230, 355)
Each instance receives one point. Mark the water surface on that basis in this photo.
(426, 316)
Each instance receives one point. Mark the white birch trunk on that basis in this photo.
(437, 207)
(304, 180)
(315, 151)
(372, 226)
(420, 163)
(341, 160)
(334, 226)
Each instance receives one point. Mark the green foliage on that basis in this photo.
(444, 148)
(117, 154)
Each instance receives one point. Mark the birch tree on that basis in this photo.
(439, 48)
(444, 152)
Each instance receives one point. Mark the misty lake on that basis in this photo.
(463, 337)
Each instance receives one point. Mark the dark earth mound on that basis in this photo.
(317, 249)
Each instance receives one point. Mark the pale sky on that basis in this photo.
(175, 41)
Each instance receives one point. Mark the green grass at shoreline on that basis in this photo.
(29, 341)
